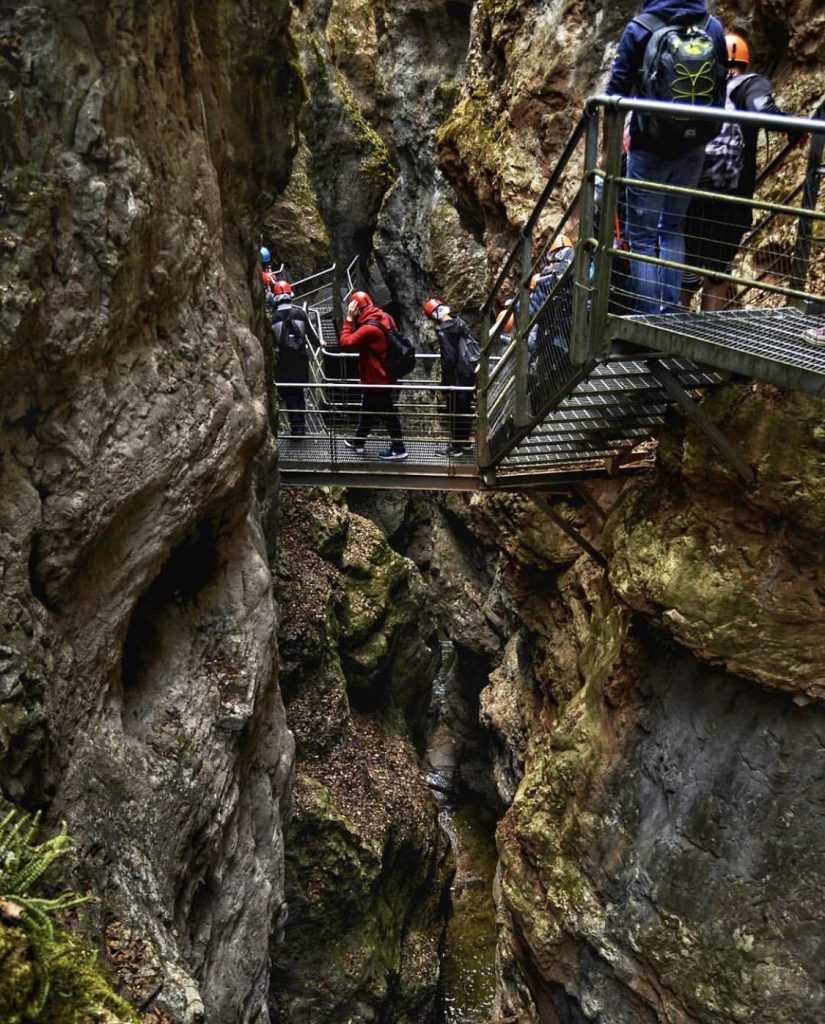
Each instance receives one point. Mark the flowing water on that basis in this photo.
(468, 962)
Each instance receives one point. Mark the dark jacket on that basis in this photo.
(558, 261)
(752, 93)
(626, 71)
(293, 362)
(449, 334)
(370, 342)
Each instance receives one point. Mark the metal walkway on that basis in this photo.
(581, 387)
(765, 344)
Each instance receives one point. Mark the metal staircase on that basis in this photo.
(583, 383)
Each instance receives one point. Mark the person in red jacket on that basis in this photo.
(361, 331)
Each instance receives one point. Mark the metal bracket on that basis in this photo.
(686, 404)
(585, 494)
(569, 530)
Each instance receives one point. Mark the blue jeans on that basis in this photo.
(656, 223)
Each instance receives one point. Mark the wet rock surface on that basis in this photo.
(381, 79)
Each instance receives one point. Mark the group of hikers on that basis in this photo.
(675, 51)
(372, 333)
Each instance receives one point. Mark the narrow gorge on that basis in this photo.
(336, 755)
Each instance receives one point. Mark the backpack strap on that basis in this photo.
(649, 21)
(290, 324)
(652, 22)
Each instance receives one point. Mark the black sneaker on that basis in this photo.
(450, 450)
(357, 446)
(390, 455)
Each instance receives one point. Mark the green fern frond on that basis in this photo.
(22, 861)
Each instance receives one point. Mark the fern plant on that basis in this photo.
(23, 863)
(51, 975)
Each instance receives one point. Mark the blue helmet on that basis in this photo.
(265, 257)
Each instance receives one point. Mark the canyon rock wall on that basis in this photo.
(381, 79)
(657, 858)
(138, 685)
(367, 865)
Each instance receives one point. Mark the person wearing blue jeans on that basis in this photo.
(655, 219)
(656, 222)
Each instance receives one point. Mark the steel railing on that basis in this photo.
(554, 347)
(431, 416)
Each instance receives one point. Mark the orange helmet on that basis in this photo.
(738, 52)
(431, 307)
(361, 299)
(282, 290)
(561, 242)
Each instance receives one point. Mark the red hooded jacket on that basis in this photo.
(370, 342)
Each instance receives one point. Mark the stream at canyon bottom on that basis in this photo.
(468, 961)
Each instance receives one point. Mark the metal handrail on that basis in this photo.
(503, 403)
(318, 273)
(783, 123)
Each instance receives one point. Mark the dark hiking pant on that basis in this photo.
(459, 409)
(377, 405)
(295, 403)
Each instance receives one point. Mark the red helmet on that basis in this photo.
(282, 290)
(431, 305)
(361, 299)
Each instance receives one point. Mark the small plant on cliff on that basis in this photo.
(23, 864)
(46, 974)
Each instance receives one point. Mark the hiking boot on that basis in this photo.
(391, 455)
(357, 446)
(815, 336)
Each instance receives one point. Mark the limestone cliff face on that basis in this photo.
(660, 730)
(381, 78)
(138, 692)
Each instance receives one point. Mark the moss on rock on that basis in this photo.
(738, 582)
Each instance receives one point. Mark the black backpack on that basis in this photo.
(400, 350)
(468, 356)
(681, 65)
(290, 333)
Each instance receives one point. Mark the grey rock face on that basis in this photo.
(708, 863)
(138, 693)
(382, 77)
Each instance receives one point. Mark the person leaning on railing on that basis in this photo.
(459, 362)
(362, 331)
(664, 150)
(714, 228)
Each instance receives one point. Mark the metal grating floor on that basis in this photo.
(611, 412)
(765, 344)
(319, 449)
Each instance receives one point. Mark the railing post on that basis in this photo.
(337, 305)
(603, 262)
(581, 342)
(482, 396)
(522, 354)
(802, 248)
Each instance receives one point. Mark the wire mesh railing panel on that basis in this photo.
(342, 425)
(706, 237)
